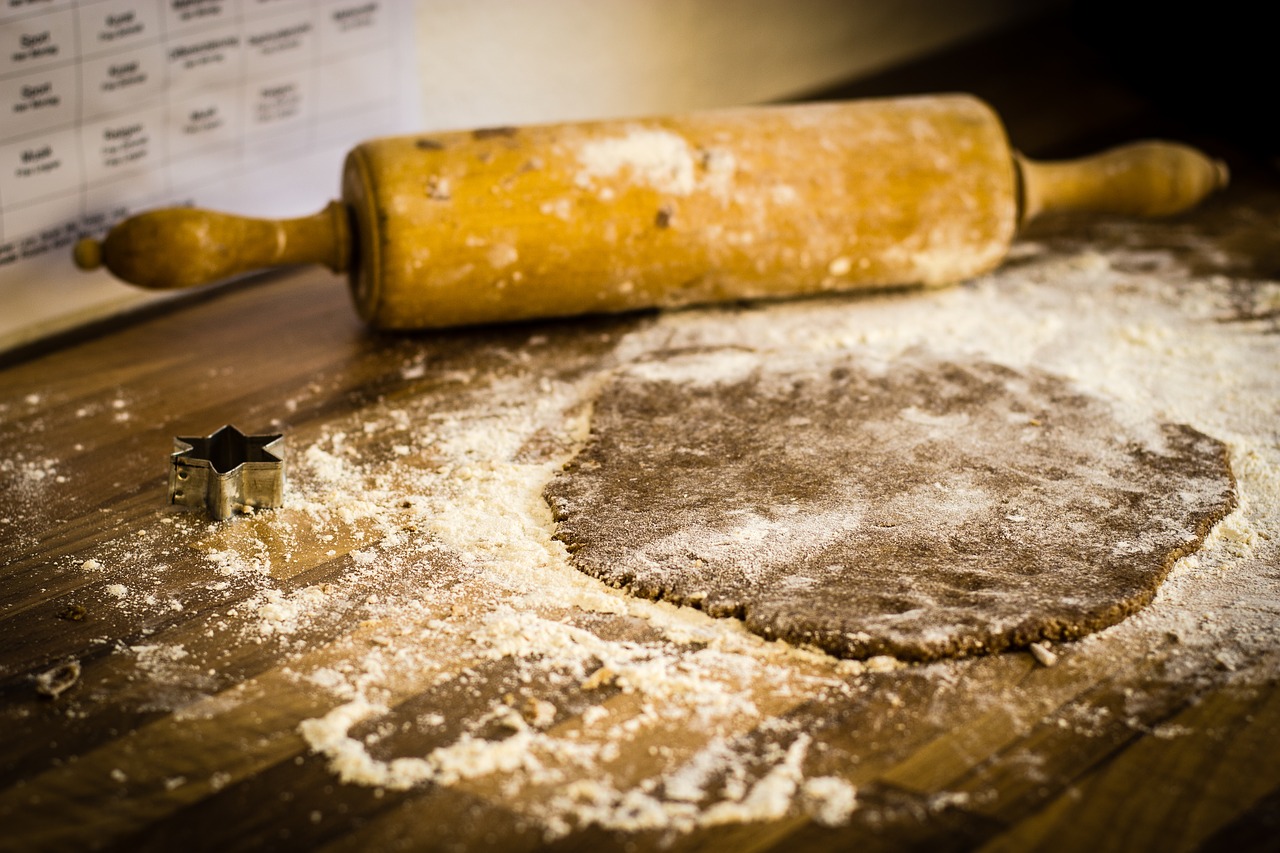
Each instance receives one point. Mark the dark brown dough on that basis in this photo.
(922, 508)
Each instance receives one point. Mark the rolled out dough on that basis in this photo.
(922, 509)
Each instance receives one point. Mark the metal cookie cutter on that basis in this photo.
(227, 472)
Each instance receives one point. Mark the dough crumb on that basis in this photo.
(1043, 656)
(829, 799)
(58, 680)
(538, 713)
(882, 663)
(602, 677)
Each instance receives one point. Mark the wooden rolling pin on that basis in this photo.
(507, 224)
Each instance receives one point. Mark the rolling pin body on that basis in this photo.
(498, 225)
(767, 202)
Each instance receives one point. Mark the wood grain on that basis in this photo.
(1139, 740)
(956, 769)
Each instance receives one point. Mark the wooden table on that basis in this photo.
(404, 586)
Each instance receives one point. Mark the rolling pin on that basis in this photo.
(508, 224)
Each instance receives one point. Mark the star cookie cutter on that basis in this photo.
(227, 472)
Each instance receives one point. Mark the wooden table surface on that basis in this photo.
(402, 586)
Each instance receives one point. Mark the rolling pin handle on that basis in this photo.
(1140, 179)
(184, 247)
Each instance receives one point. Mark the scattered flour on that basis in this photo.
(658, 158)
(1134, 345)
(425, 514)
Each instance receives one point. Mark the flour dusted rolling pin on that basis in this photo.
(506, 224)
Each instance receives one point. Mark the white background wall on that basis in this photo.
(506, 61)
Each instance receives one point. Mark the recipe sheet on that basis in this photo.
(114, 106)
